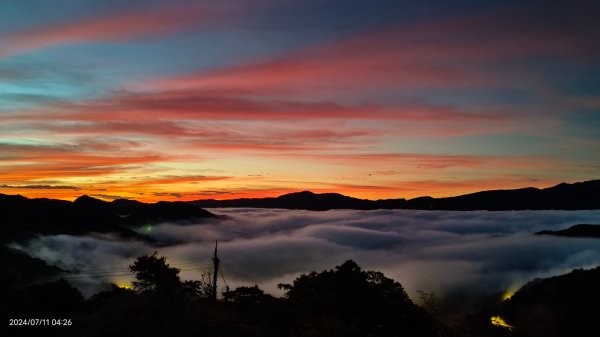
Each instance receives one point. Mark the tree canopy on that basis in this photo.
(354, 302)
(154, 274)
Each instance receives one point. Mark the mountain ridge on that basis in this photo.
(22, 218)
(564, 196)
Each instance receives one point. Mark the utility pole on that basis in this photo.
(216, 270)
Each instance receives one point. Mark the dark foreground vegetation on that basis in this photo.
(344, 301)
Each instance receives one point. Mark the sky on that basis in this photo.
(183, 100)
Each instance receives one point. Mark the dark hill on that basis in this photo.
(166, 211)
(305, 200)
(21, 218)
(577, 231)
(323, 201)
(577, 196)
(126, 207)
(565, 305)
(19, 269)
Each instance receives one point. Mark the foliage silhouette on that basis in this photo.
(344, 301)
(246, 295)
(153, 274)
(351, 302)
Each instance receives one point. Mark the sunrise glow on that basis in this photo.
(180, 101)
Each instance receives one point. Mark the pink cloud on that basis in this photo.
(420, 161)
(23, 163)
(117, 26)
(433, 54)
(199, 105)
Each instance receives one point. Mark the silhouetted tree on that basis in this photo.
(351, 302)
(154, 275)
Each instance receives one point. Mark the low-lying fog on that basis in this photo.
(467, 253)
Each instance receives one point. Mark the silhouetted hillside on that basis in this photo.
(577, 231)
(166, 211)
(560, 306)
(22, 218)
(583, 195)
(305, 200)
(125, 206)
(19, 269)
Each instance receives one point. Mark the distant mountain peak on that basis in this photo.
(302, 193)
(86, 199)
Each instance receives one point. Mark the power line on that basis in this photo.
(198, 265)
(200, 268)
(107, 270)
(93, 276)
(120, 274)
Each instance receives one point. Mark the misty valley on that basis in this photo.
(453, 273)
(300, 168)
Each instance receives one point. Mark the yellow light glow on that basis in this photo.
(499, 321)
(124, 285)
(511, 291)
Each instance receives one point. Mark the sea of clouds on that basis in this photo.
(448, 252)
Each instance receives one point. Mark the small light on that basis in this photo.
(124, 286)
(499, 321)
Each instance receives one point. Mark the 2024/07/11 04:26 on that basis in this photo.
(39, 322)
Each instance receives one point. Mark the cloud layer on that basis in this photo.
(447, 252)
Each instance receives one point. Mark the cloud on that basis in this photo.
(107, 196)
(441, 101)
(434, 161)
(41, 187)
(425, 54)
(447, 252)
(199, 104)
(118, 26)
(56, 160)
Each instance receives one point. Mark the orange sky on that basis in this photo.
(173, 101)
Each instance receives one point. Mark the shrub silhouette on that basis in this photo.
(246, 295)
